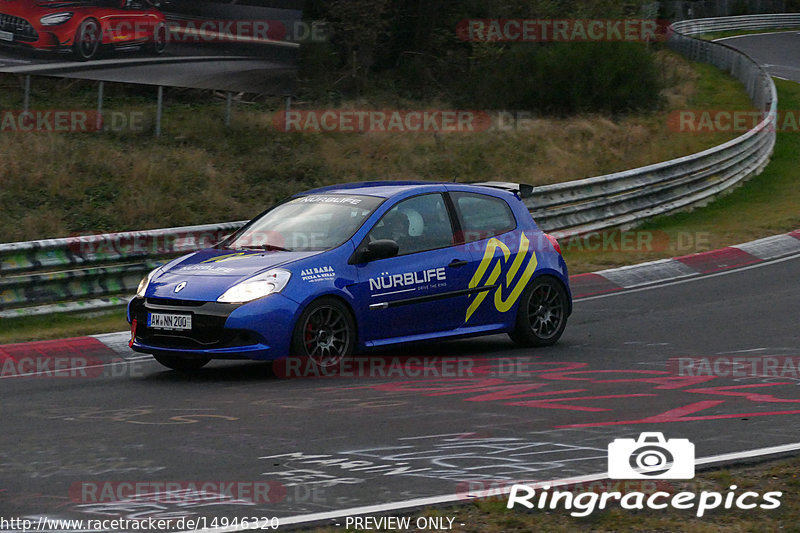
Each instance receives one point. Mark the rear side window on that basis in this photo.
(482, 216)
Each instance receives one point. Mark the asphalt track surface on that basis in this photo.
(777, 52)
(266, 69)
(495, 412)
(431, 419)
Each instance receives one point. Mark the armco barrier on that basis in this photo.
(92, 272)
(54, 275)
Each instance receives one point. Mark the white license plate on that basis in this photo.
(169, 322)
(6, 36)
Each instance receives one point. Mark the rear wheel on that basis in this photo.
(86, 44)
(182, 364)
(542, 313)
(325, 332)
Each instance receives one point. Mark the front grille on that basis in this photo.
(21, 28)
(208, 325)
(175, 303)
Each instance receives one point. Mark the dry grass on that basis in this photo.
(53, 185)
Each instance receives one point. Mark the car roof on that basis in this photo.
(387, 189)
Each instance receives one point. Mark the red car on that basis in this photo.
(83, 27)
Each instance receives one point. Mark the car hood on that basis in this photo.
(209, 273)
(26, 7)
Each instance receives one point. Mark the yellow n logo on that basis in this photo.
(495, 272)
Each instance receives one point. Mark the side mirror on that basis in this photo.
(380, 249)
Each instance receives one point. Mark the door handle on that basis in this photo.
(457, 263)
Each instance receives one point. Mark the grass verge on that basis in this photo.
(199, 171)
(61, 326)
(765, 205)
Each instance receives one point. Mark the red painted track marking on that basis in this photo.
(583, 285)
(717, 260)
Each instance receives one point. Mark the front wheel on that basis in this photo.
(325, 333)
(86, 44)
(542, 313)
(182, 364)
(159, 44)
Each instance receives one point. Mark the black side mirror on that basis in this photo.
(380, 249)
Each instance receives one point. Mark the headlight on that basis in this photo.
(256, 287)
(55, 19)
(145, 282)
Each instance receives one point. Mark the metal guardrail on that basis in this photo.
(91, 272)
(625, 199)
(75, 273)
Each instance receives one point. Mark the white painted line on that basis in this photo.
(455, 498)
(753, 35)
(68, 373)
(73, 65)
(688, 280)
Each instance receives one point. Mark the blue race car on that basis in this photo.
(352, 267)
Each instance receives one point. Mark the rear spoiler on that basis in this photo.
(522, 190)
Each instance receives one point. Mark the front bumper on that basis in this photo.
(257, 330)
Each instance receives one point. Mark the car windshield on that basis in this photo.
(309, 223)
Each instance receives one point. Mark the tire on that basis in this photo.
(542, 313)
(88, 39)
(182, 364)
(159, 44)
(325, 333)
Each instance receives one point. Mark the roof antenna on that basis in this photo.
(455, 179)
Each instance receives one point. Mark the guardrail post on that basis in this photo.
(27, 98)
(228, 104)
(159, 109)
(99, 122)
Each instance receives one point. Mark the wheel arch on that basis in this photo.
(334, 296)
(558, 279)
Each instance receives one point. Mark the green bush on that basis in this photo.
(565, 78)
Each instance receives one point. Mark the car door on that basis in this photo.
(420, 291)
(503, 258)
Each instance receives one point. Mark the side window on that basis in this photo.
(417, 224)
(482, 216)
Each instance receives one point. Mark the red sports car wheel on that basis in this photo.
(87, 40)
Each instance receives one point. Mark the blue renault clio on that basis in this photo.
(347, 268)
